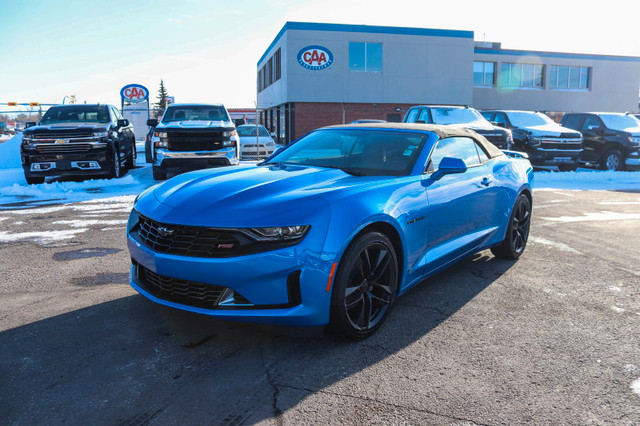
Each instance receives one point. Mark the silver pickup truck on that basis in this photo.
(191, 137)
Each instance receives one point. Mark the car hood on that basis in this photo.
(476, 126)
(186, 125)
(249, 195)
(550, 130)
(61, 127)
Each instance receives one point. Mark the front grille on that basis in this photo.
(195, 141)
(561, 144)
(497, 140)
(63, 135)
(190, 240)
(179, 291)
(569, 136)
(55, 148)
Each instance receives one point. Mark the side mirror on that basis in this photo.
(496, 123)
(123, 123)
(29, 124)
(152, 122)
(449, 165)
(273, 135)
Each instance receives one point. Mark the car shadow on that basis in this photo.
(130, 361)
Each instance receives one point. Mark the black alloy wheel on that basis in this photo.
(131, 160)
(517, 235)
(116, 170)
(365, 286)
(612, 160)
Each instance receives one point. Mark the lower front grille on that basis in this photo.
(179, 291)
(195, 141)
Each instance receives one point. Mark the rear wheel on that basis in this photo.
(365, 286)
(32, 180)
(612, 160)
(517, 235)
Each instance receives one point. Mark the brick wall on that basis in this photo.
(309, 116)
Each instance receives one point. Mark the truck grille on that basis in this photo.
(195, 141)
(190, 240)
(179, 291)
(498, 140)
(67, 134)
(66, 148)
(561, 144)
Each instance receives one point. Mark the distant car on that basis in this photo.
(332, 228)
(460, 116)
(191, 137)
(78, 140)
(367, 120)
(252, 147)
(611, 140)
(545, 141)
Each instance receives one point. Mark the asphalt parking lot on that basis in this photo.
(550, 339)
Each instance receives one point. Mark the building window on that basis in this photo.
(364, 56)
(521, 75)
(565, 77)
(484, 73)
(270, 72)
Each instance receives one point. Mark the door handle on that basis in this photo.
(486, 181)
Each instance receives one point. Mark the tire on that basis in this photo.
(364, 293)
(159, 173)
(148, 155)
(517, 233)
(612, 160)
(32, 180)
(116, 169)
(131, 159)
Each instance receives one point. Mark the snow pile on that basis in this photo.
(587, 179)
(10, 153)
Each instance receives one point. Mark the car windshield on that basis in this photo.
(529, 119)
(620, 121)
(444, 115)
(195, 113)
(250, 130)
(76, 114)
(356, 151)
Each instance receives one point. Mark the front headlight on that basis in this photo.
(133, 219)
(161, 135)
(280, 233)
(100, 134)
(228, 134)
(27, 139)
(635, 140)
(534, 141)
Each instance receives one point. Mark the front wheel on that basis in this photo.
(612, 160)
(131, 159)
(365, 286)
(116, 170)
(517, 235)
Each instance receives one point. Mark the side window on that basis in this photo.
(488, 115)
(117, 113)
(424, 115)
(591, 123)
(572, 122)
(412, 115)
(501, 119)
(481, 154)
(458, 147)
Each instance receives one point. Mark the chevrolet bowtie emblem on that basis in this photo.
(165, 232)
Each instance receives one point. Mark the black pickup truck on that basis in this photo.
(78, 140)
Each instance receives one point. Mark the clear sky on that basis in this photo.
(207, 50)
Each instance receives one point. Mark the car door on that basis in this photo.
(592, 130)
(461, 213)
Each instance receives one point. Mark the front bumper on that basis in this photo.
(192, 160)
(552, 157)
(286, 286)
(63, 161)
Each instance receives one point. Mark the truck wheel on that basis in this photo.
(131, 160)
(32, 180)
(116, 170)
(612, 160)
(159, 173)
(148, 155)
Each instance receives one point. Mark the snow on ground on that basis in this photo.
(15, 193)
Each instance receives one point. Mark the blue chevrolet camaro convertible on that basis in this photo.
(331, 229)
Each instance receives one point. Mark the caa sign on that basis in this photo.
(315, 57)
(134, 93)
